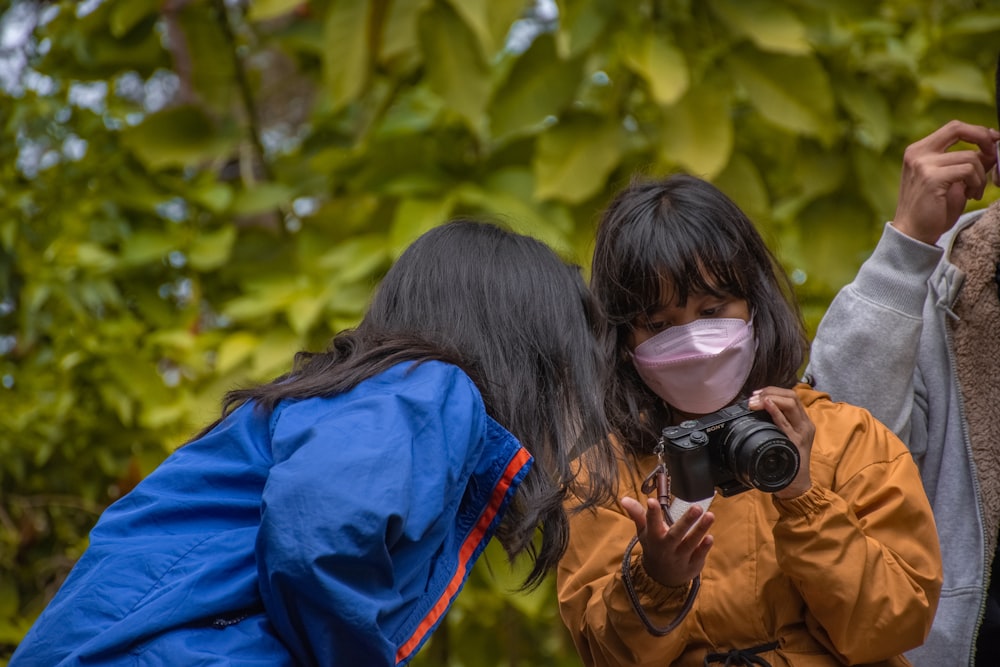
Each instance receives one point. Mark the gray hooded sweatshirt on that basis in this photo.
(888, 343)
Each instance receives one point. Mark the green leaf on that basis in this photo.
(399, 30)
(216, 197)
(818, 172)
(575, 158)
(273, 356)
(210, 250)
(345, 52)
(742, 182)
(261, 197)
(303, 312)
(793, 92)
(145, 247)
(93, 256)
(157, 416)
(581, 23)
(836, 238)
(500, 16)
(211, 66)
(414, 111)
(264, 10)
(414, 216)
(768, 23)
(697, 132)
(262, 298)
(983, 21)
(178, 137)
(959, 81)
(126, 14)
(9, 598)
(878, 181)
(660, 63)
(173, 339)
(455, 68)
(475, 14)
(234, 350)
(540, 85)
(508, 196)
(870, 111)
(356, 258)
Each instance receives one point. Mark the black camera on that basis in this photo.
(734, 449)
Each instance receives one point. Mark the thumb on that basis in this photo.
(635, 511)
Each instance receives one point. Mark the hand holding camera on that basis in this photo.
(769, 438)
(763, 443)
(789, 415)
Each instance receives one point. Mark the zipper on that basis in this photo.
(953, 372)
(235, 617)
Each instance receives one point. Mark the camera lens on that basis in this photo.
(760, 455)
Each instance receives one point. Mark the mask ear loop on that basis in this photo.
(659, 480)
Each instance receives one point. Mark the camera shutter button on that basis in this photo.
(698, 438)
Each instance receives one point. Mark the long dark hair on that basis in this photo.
(523, 325)
(662, 240)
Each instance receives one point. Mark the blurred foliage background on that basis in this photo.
(193, 190)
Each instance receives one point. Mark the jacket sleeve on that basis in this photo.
(355, 483)
(861, 545)
(595, 606)
(865, 348)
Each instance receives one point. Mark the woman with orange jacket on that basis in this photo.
(819, 549)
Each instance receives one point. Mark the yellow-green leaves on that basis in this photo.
(697, 131)
(793, 92)
(959, 81)
(455, 67)
(345, 50)
(212, 249)
(869, 110)
(179, 136)
(540, 85)
(660, 62)
(414, 216)
(263, 10)
(574, 158)
(770, 24)
(399, 30)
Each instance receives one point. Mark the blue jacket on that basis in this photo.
(331, 531)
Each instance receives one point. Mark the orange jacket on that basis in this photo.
(847, 573)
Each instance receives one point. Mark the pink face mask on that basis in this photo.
(699, 367)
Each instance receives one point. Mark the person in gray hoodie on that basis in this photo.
(915, 339)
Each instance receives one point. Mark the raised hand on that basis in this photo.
(671, 555)
(937, 182)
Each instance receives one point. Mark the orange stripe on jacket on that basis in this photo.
(464, 554)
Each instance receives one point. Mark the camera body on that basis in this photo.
(734, 449)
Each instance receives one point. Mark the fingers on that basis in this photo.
(955, 131)
(687, 534)
(942, 169)
(929, 203)
(784, 407)
(789, 415)
(689, 542)
(633, 508)
(673, 554)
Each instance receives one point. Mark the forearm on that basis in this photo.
(865, 349)
(871, 584)
(596, 606)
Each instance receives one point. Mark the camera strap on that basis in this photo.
(658, 480)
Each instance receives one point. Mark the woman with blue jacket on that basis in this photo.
(331, 516)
